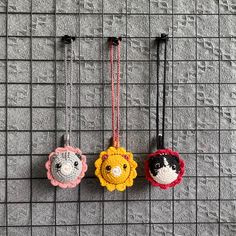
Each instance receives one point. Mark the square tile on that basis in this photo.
(185, 211)
(207, 26)
(184, 26)
(18, 143)
(114, 25)
(208, 164)
(26, 231)
(91, 213)
(90, 25)
(18, 119)
(42, 191)
(186, 189)
(137, 49)
(43, 25)
(43, 213)
(115, 212)
(70, 6)
(208, 118)
(207, 49)
(205, 7)
(227, 211)
(208, 229)
(208, 188)
(208, 211)
(185, 141)
(138, 6)
(91, 6)
(138, 25)
(18, 25)
(91, 230)
(43, 142)
(18, 95)
(43, 231)
(226, 141)
(43, 6)
(207, 95)
(208, 142)
(185, 229)
(19, 214)
(181, 6)
(161, 211)
(184, 118)
(227, 7)
(43, 95)
(43, 119)
(15, 193)
(67, 213)
(112, 6)
(208, 71)
(43, 48)
(142, 229)
(19, 6)
(157, 6)
(227, 188)
(18, 72)
(189, 52)
(18, 166)
(18, 48)
(227, 71)
(138, 212)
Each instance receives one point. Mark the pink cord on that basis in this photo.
(115, 100)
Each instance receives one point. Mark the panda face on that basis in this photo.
(164, 169)
(66, 166)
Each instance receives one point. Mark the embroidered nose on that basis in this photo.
(116, 171)
(66, 169)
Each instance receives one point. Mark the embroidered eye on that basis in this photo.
(58, 165)
(124, 166)
(108, 168)
(76, 163)
(174, 167)
(157, 165)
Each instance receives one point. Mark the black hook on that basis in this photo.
(67, 39)
(163, 37)
(115, 40)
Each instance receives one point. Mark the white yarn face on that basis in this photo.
(166, 175)
(66, 167)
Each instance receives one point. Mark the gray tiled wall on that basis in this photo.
(201, 120)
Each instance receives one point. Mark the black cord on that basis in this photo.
(160, 137)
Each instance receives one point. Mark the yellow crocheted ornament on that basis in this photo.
(116, 169)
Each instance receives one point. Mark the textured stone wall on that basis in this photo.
(201, 115)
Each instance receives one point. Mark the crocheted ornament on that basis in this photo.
(66, 166)
(116, 168)
(164, 168)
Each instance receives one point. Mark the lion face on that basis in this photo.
(115, 169)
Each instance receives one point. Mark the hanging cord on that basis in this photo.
(161, 137)
(115, 96)
(68, 82)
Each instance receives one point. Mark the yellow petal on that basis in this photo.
(110, 187)
(121, 187)
(129, 182)
(98, 163)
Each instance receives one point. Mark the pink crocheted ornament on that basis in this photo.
(66, 166)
